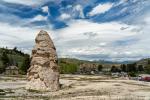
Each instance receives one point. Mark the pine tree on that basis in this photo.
(5, 60)
(25, 64)
(113, 69)
(123, 68)
(15, 49)
(147, 69)
(140, 68)
(100, 67)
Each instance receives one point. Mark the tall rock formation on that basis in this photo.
(43, 74)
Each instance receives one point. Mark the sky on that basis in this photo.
(116, 30)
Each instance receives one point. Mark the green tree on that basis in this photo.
(11, 60)
(100, 67)
(123, 68)
(15, 49)
(147, 69)
(132, 74)
(140, 68)
(68, 68)
(114, 69)
(5, 61)
(131, 67)
(25, 65)
(148, 61)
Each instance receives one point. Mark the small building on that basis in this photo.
(12, 70)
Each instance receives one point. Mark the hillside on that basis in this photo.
(67, 65)
(13, 57)
(143, 62)
(72, 65)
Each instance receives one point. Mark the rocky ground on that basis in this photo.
(77, 87)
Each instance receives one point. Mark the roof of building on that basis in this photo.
(12, 67)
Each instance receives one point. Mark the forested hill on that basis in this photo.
(14, 57)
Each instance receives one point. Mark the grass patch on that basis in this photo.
(2, 92)
(117, 85)
(35, 91)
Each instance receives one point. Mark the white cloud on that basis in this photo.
(82, 39)
(22, 37)
(18, 32)
(124, 2)
(39, 18)
(88, 38)
(80, 10)
(102, 44)
(105, 29)
(45, 9)
(101, 8)
(25, 2)
(65, 16)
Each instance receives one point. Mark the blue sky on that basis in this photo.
(115, 30)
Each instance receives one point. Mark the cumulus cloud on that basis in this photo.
(101, 8)
(65, 16)
(80, 10)
(45, 9)
(17, 32)
(91, 42)
(22, 37)
(92, 39)
(39, 18)
(124, 39)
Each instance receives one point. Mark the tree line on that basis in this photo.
(14, 57)
(132, 69)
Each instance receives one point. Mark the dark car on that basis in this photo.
(147, 78)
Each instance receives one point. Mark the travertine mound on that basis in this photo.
(43, 74)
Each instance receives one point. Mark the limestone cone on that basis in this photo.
(43, 74)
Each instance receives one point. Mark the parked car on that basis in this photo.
(144, 78)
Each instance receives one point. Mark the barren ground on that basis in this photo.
(77, 87)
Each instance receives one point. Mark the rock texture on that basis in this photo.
(88, 68)
(43, 74)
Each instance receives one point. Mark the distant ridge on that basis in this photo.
(75, 60)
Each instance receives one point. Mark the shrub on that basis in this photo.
(132, 74)
(68, 68)
(147, 69)
(100, 67)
